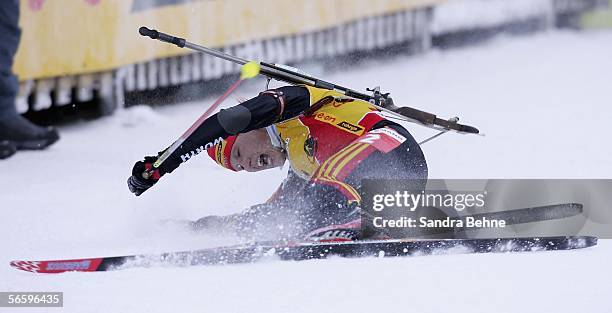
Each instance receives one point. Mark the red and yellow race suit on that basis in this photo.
(332, 142)
(321, 143)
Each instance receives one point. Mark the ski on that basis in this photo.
(298, 251)
(511, 217)
(532, 214)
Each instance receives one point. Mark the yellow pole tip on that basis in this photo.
(249, 70)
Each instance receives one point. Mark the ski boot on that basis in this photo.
(6, 149)
(24, 135)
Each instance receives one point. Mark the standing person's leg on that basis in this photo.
(14, 129)
(8, 82)
(9, 40)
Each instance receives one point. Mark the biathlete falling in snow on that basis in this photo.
(331, 142)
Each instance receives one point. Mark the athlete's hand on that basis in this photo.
(142, 177)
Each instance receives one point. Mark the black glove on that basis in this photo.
(140, 181)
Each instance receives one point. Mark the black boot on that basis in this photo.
(26, 136)
(6, 149)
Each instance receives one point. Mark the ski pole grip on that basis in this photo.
(154, 34)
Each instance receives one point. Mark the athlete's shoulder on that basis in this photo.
(317, 94)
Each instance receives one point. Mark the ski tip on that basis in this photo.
(58, 266)
(580, 242)
(28, 266)
(572, 208)
(577, 206)
(591, 240)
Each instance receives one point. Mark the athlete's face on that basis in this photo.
(254, 152)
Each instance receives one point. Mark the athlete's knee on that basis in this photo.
(328, 205)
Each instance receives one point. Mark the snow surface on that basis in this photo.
(543, 102)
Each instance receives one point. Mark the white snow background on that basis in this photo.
(543, 101)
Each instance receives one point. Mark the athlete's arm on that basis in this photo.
(261, 221)
(269, 107)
